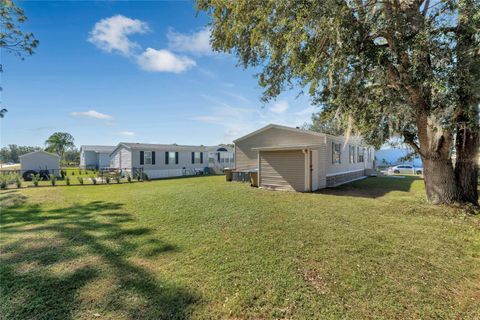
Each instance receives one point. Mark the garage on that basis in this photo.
(283, 170)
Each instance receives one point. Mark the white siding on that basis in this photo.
(125, 158)
(39, 161)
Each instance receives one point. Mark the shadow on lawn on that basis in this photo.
(58, 252)
(372, 187)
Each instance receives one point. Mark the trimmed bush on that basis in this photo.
(80, 180)
(67, 180)
(53, 180)
(129, 178)
(36, 179)
(18, 181)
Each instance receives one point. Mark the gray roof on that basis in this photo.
(153, 146)
(106, 149)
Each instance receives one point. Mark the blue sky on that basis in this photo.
(132, 71)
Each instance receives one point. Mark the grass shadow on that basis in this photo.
(372, 187)
(50, 256)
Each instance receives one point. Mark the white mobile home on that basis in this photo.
(300, 160)
(95, 157)
(159, 160)
(220, 157)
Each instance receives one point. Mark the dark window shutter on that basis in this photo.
(142, 158)
(166, 157)
(176, 157)
(201, 157)
(193, 157)
(153, 157)
(218, 157)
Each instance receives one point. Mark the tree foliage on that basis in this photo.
(12, 38)
(12, 152)
(409, 68)
(59, 143)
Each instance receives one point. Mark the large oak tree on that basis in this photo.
(392, 67)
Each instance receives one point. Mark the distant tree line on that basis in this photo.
(61, 143)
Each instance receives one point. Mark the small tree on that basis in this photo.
(59, 142)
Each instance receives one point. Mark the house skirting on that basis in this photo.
(334, 180)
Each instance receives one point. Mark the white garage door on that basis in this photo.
(282, 170)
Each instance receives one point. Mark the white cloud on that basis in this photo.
(197, 43)
(279, 106)
(208, 119)
(306, 112)
(127, 133)
(163, 61)
(238, 96)
(92, 114)
(111, 34)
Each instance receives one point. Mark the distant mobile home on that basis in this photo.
(95, 157)
(159, 160)
(40, 160)
(300, 160)
(220, 157)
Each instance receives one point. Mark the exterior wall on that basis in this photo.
(115, 159)
(162, 170)
(282, 170)
(39, 161)
(321, 165)
(246, 158)
(103, 160)
(88, 159)
(345, 165)
(338, 179)
(125, 158)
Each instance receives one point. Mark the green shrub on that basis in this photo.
(107, 179)
(80, 180)
(3, 182)
(18, 181)
(94, 180)
(129, 178)
(36, 179)
(145, 177)
(67, 180)
(53, 180)
(117, 178)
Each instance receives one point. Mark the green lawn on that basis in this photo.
(202, 248)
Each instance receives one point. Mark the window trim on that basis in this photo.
(145, 157)
(336, 154)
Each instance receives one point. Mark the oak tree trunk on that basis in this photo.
(435, 150)
(466, 164)
(439, 179)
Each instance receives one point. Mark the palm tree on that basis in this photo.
(2, 112)
(59, 142)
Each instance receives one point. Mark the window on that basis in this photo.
(172, 157)
(360, 152)
(336, 153)
(147, 157)
(197, 157)
(351, 153)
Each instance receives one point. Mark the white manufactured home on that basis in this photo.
(95, 157)
(220, 157)
(159, 160)
(300, 160)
